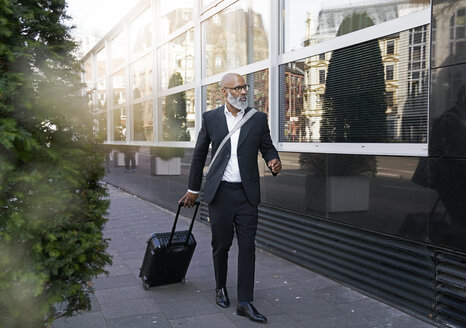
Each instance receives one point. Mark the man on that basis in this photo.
(232, 187)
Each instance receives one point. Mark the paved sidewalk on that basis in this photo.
(289, 295)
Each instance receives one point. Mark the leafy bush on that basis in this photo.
(166, 153)
(52, 204)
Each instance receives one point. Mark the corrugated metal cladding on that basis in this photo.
(399, 272)
(451, 289)
(412, 276)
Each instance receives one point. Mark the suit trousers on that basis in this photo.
(231, 211)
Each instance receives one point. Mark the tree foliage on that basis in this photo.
(52, 205)
(354, 102)
(175, 114)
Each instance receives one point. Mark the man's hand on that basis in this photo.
(189, 199)
(275, 166)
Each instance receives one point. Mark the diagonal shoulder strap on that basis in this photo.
(245, 118)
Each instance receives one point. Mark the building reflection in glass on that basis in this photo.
(404, 58)
(141, 77)
(178, 116)
(119, 124)
(174, 14)
(177, 56)
(236, 36)
(311, 22)
(101, 126)
(118, 51)
(143, 123)
(101, 64)
(119, 88)
(102, 94)
(141, 33)
(88, 73)
(448, 33)
(354, 100)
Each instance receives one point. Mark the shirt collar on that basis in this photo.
(227, 112)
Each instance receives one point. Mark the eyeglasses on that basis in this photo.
(239, 88)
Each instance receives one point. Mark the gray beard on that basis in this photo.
(236, 102)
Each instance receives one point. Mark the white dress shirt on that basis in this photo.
(231, 173)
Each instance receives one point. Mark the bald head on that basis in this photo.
(234, 90)
(230, 80)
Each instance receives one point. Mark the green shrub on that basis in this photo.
(52, 204)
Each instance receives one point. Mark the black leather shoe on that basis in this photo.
(221, 298)
(250, 312)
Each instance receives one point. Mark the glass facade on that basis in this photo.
(102, 94)
(365, 101)
(119, 124)
(177, 121)
(373, 92)
(141, 33)
(143, 124)
(141, 77)
(366, 91)
(118, 88)
(177, 61)
(236, 36)
(88, 73)
(101, 64)
(307, 23)
(118, 51)
(363, 90)
(174, 14)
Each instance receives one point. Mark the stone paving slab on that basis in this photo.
(289, 295)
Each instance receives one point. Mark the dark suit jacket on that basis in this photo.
(254, 136)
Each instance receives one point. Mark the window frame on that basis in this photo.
(411, 21)
(272, 63)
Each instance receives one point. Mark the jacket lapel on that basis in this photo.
(244, 131)
(221, 125)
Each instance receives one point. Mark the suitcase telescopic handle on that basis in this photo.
(180, 205)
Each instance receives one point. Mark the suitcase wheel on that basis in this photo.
(183, 280)
(145, 285)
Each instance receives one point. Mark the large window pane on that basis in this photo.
(213, 96)
(119, 88)
(102, 94)
(177, 61)
(310, 22)
(206, 2)
(101, 63)
(119, 124)
(143, 123)
(118, 50)
(258, 94)
(141, 77)
(141, 33)
(177, 116)
(236, 36)
(174, 14)
(88, 76)
(367, 96)
(101, 125)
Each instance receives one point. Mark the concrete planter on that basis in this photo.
(159, 166)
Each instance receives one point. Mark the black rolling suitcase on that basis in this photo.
(168, 255)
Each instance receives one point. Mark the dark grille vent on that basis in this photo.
(392, 269)
(451, 289)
